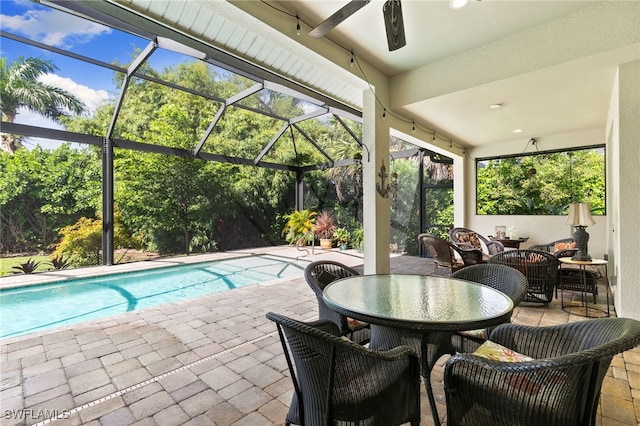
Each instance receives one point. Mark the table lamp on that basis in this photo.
(580, 218)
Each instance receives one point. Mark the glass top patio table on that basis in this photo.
(419, 302)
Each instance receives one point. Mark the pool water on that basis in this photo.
(40, 307)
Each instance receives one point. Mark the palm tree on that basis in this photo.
(20, 88)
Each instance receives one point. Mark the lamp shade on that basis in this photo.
(579, 215)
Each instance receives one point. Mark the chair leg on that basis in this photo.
(432, 400)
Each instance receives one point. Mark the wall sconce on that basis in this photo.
(380, 186)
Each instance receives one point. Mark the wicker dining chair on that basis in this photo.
(318, 275)
(444, 254)
(504, 278)
(540, 268)
(336, 380)
(560, 385)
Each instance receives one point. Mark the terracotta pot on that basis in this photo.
(326, 243)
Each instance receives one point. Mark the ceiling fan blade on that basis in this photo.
(332, 21)
(394, 24)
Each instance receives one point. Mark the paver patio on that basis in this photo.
(214, 360)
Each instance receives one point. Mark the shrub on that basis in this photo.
(325, 225)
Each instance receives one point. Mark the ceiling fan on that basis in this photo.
(391, 11)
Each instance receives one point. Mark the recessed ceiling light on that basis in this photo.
(495, 106)
(517, 131)
(458, 4)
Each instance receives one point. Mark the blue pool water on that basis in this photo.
(36, 308)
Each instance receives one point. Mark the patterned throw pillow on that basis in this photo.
(496, 352)
(536, 257)
(470, 238)
(564, 246)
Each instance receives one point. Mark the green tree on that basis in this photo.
(540, 184)
(20, 87)
(42, 191)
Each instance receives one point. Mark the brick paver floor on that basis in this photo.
(214, 360)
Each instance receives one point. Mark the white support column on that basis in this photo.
(627, 182)
(376, 215)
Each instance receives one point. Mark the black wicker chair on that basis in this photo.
(540, 268)
(560, 386)
(468, 239)
(443, 254)
(508, 280)
(338, 381)
(320, 274)
(569, 278)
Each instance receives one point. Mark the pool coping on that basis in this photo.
(23, 280)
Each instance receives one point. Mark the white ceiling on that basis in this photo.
(433, 30)
(567, 96)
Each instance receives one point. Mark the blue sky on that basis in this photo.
(90, 83)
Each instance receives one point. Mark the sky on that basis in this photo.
(90, 83)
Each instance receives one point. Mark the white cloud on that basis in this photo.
(91, 97)
(53, 27)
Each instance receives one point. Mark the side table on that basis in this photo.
(589, 311)
(508, 243)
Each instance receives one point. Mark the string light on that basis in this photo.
(352, 63)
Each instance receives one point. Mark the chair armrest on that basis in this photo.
(494, 247)
(565, 253)
(542, 247)
(469, 256)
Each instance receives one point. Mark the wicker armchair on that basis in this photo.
(320, 274)
(508, 280)
(540, 268)
(468, 239)
(336, 380)
(569, 278)
(560, 386)
(443, 253)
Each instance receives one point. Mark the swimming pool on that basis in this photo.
(41, 307)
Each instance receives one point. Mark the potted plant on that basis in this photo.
(342, 236)
(299, 227)
(324, 228)
(357, 238)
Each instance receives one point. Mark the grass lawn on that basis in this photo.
(7, 263)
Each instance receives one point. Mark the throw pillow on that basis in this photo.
(470, 238)
(564, 246)
(496, 352)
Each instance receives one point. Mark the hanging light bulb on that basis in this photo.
(413, 126)
(352, 60)
(384, 113)
(297, 24)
